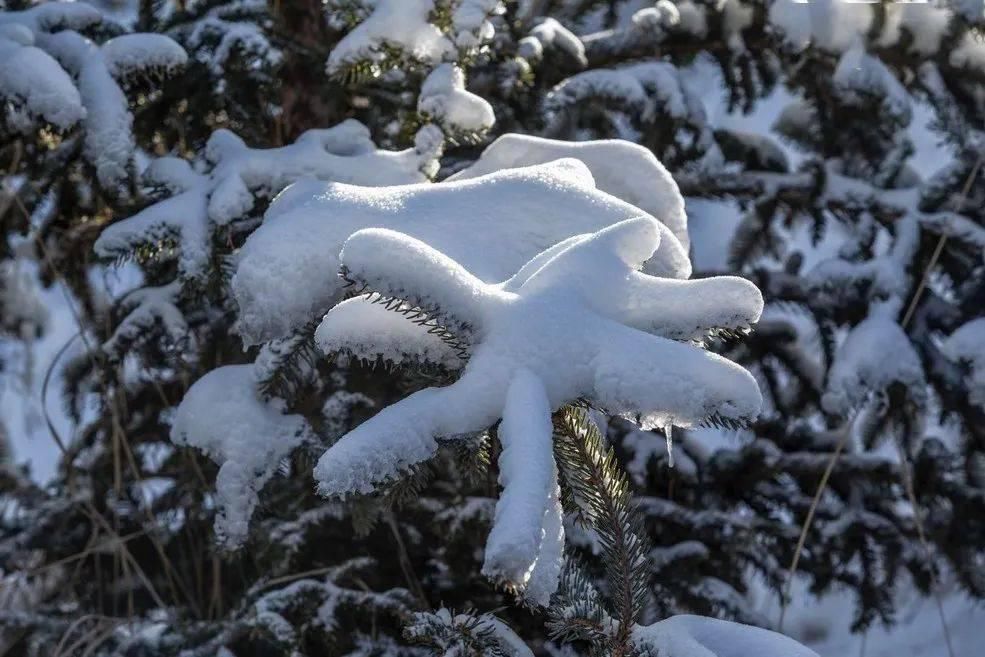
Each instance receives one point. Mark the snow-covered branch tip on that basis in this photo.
(462, 116)
(394, 341)
(407, 33)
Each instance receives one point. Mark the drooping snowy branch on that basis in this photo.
(146, 308)
(966, 346)
(875, 355)
(550, 35)
(530, 499)
(461, 115)
(52, 72)
(218, 40)
(222, 416)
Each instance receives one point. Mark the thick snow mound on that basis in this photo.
(131, 53)
(621, 168)
(53, 16)
(578, 321)
(30, 78)
(222, 416)
(490, 225)
(699, 636)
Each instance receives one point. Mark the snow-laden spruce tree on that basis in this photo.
(69, 82)
(558, 331)
(340, 102)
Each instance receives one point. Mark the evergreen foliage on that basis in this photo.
(144, 144)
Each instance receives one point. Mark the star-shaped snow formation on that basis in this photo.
(578, 321)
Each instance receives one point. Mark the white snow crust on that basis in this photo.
(699, 636)
(620, 168)
(222, 416)
(284, 275)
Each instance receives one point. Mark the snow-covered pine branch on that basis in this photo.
(237, 176)
(465, 634)
(53, 73)
(560, 188)
(964, 346)
(290, 257)
(207, 200)
(222, 416)
(423, 42)
(679, 636)
(646, 102)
